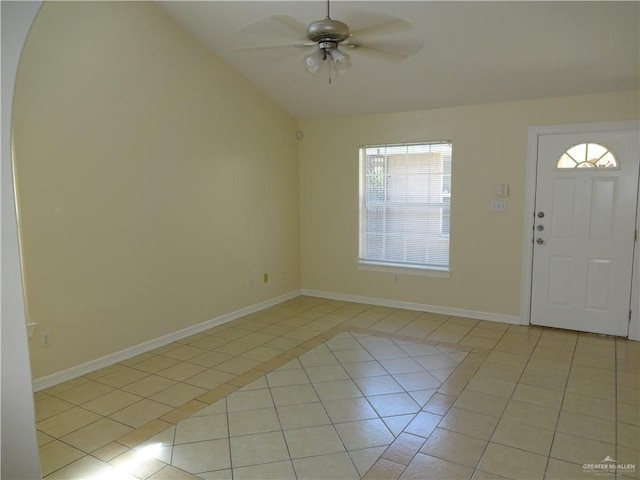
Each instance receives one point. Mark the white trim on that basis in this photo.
(634, 321)
(399, 269)
(102, 362)
(586, 127)
(528, 216)
(18, 434)
(529, 210)
(421, 307)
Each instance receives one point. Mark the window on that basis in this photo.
(587, 155)
(405, 205)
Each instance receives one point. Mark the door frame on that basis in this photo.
(529, 211)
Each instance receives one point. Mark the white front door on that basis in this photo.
(584, 230)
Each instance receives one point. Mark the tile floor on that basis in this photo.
(323, 389)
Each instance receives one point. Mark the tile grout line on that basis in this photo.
(226, 413)
(425, 438)
(188, 408)
(615, 403)
(304, 369)
(564, 393)
(362, 330)
(457, 396)
(488, 440)
(325, 336)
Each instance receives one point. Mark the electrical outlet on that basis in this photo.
(45, 338)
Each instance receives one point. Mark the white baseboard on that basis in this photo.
(102, 362)
(107, 360)
(422, 307)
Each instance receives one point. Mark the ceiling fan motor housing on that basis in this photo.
(328, 30)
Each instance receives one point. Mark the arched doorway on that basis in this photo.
(19, 446)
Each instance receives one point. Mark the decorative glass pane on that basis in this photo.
(587, 155)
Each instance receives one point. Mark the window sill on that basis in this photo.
(400, 269)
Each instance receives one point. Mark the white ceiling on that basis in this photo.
(474, 52)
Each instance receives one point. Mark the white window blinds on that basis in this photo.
(405, 204)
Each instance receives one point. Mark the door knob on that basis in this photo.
(539, 241)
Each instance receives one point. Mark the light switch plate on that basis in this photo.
(502, 190)
(499, 206)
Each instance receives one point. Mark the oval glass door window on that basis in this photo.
(589, 156)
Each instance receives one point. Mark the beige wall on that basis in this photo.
(489, 148)
(153, 182)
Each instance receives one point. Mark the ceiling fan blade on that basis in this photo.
(402, 46)
(386, 28)
(274, 45)
(377, 54)
(282, 26)
(292, 22)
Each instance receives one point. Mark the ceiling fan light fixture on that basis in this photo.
(328, 52)
(341, 61)
(339, 57)
(314, 60)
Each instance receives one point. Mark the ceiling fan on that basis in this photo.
(329, 39)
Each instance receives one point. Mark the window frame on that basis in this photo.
(421, 269)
